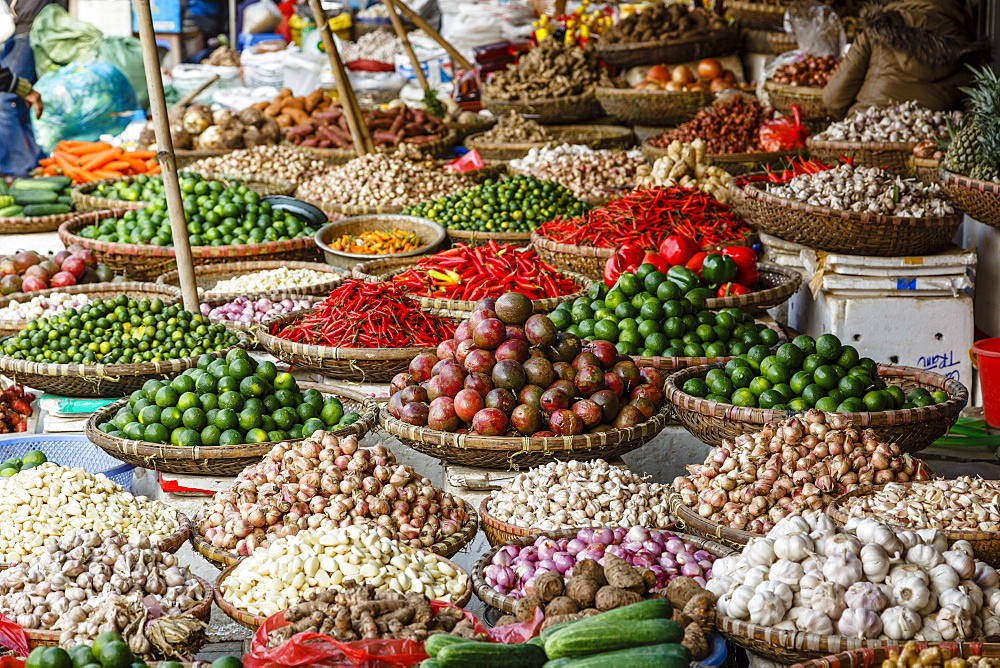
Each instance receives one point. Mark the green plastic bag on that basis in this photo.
(125, 53)
(57, 39)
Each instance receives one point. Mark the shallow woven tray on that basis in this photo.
(773, 42)
(570, 109)
(594, 136)
(99, 380)
(477, 238)
(432, 237)
(979, 199)
(217, 460)
(758, 15)
(512, 452)
(808, 98)
(927, 170)
(651, 107)
(784, 281)
(202, 611)
(187, 157)
(85, 202)
(381, 270)
(371, 365)
(206, 276)
(912, 429)
(23, 225)
(495, 599)
(169, 294)
(463, 130)
(437, 148)
(835, 231)
(248, 327)
(895, 158)
(985, 544)
(734, 163)
(142, 262)
(680, 50)
(447, 548)
(253, 622)
(697, 525)
(873, 657)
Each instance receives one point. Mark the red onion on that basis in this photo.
(546, 548)
(674, 545)
(575, 546)
(638, 534)
(563, 561)
(691, 569)
(617, 551)
(604, 536)
(652, 547)
(501, 558)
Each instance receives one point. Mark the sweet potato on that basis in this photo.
(681, 590)
(285, 121)
(609, 598)
(296, 114)
(525, 608)
(582, 589)
(562, 605)
(549, 585)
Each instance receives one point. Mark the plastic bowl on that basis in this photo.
(70, 450)
(431, 234)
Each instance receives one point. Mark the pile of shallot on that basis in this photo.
(251, 311)
(809, 575)
(800, 464)
(514, 569)
(326, 480)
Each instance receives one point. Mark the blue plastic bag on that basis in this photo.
(71, 113)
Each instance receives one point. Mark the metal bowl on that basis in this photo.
(432, 234)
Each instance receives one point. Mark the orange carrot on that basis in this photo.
(100, 159)
(142, 155)
(155, 169)
(66, 165)
(72, 143)
(135, 164)
(89, 148)
(83, 176)
(117, 166)
(106, 174)
(45, 162)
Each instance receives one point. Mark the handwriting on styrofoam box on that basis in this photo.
(945, 363)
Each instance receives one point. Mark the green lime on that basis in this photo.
(606, 330)
(206, 383)
(34, 659)
(742, 377)
(785, 391)
(759, 384)
(188, 400)
(614, 298)
(827, 405)
(103, 639)
(869, 364)
(829, 347)
(134, 431)
(722, 386)
(939, 397)
(150, 415)
(333, 411)
(81, 656)
(826, 377)
(744, 397)
(231, 437)
(799, 381)
(653, 280)
(313, 425)
(714, 374)
(210, 435)
(629, 284)
(249, 419)
(798, 404)
(185, 437)
(183, 384)
(227, 662)
(55, 657)
(875, 401)
(851, 386)
(848, 357)
(768, 337)
(267, 370)
(896, 393)
(668, 290)
(812, 362)
(228, 384)
(240, 369)
(791, 355)
(779, 373)
(256, 435)
(115, 654)
(851, 405)
(150, 387)
(286, 398)
(208, 401)
(561, 319)
(805, 343)
(770, 399)
(837, 395)
(231, 400)
(194, 418)
(166, 396)
(252, 386)
(813, 393)
(285, 381)
(696, 387)
(626, 310)
(227, 418)
(155, 433)
(8, 472)
(34, 457)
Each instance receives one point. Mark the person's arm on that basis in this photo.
(842, 89)
(11, 83)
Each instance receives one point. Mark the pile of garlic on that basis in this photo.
(809, 575)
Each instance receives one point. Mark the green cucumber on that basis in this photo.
(537, 640)
(654, 608)
(584, 639)
(33, 210)
(12, 211)
(53, 183)
(3, 187)
(65, 199)
(558, 663)
(430, 663)
(24, 197)
(491, 655)
(667, 655)
(439, 641)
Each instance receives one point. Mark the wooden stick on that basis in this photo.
(165, 155)
(418, 21)
(359, 131)
(397, 25)
(186, 100)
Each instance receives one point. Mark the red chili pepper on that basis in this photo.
(626, 259)
(732, 289)
(695, 262)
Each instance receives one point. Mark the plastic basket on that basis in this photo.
(70, 450)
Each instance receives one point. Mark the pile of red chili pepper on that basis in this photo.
(358, 314)
(796, 167)
(647, 217)
(472, 274)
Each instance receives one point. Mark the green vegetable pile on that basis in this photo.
(29, 460)
(227, 401)
(118, 331)
(31, 198)
(650, 316)
(516, 204)
(217, 215)
(807, 373)
(109, 650)
(141, 188)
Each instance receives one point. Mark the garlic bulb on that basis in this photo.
(874, 562)
(856, 623)
(873, 532)
(908, 539)
(960, 598)
(933, 538)
(867, 596)
(787, 572)
(755, 576)
(718, 585)
(820, 521)
(739, 600)
(725, 566)
(779, 589)
(900, 623)
(900, 571)
(964, 546)
(910, 592)
(814, 621)
(759, 552)
(791, 525)
(793, 547)
(986, 576)
(928, 631)
(964, 564)
(839, 543)
(925, 556)
(943, 577)
(766, 608)
(828, 598)
(973, 590)
(842, 567)
(954, 623)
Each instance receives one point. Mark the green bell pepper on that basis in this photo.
(718, 269)
(686, 279)
(698, 296)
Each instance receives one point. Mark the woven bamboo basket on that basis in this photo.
(217, 460)
(986, 544)
(836, 231)
(594, 136)
(506, 604)
(447, 548)
(872, 657)
(651, 107)
(477, 238)
(912, 429)
(773, 42)
(570, 109)
(757, 15)
(34, 224)
(169, 294)
(253, 622)
(381, 270)
(680, 50)
(734, 163)
(895, 158)
(784, 283)
(202, 611)
(431, 235)
(207, 276)
(463, 130)
(514, 452)
(98, 380)
(695, 524)
(187, 157)
(247, 328)
(370, 365)
(173, 542)
(678, 363)
(436, 148)
(142, 262)
(979, 199)
(808, 98)
(84, 202)
(927, 170)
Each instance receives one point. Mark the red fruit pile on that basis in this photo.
(508, 372)
(15, 409)
(29, 271)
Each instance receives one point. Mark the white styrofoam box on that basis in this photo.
(884, 278)
(955, 260)
(786, 254)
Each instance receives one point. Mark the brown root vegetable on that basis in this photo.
(648, 577)
(620, 574)
(549, 585)
(681, 590)
(251, 116)
(583, 590)
(700, 608)
(559, 619)
(696, 641)
(680, 617)
(525, 608)
(589, 568)
(562, 605)
(507, 619)
(609, 598)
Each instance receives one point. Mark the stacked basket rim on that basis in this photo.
(757, 15)
(594, 136)
(979, 199)
(808, 98)
(208, 275)
(912, 429)
(734, 163)
(436, 148)
(677, 50)
(219, 460)
(449, 547)
(873, 657)
(652, 107)
(567, 109)
(895, 157)
(33, 224)
(85, 202)
(842, 231)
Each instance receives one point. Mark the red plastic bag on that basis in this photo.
(466, 163)
(784, 134)
(518, 632)
(12, 637)
(314, 649)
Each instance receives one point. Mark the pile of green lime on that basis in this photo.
(217, 214)
(108, 650)
(141, 188)
(516, 204)
(646, 314)
(28, 460)
(119, 331)
(819, 373)
(228, 401)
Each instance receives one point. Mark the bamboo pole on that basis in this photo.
(418, 21)
(363, 144)
(397, 25)
(165, 155)
(186, 100)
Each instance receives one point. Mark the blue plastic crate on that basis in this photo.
(70, 450)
